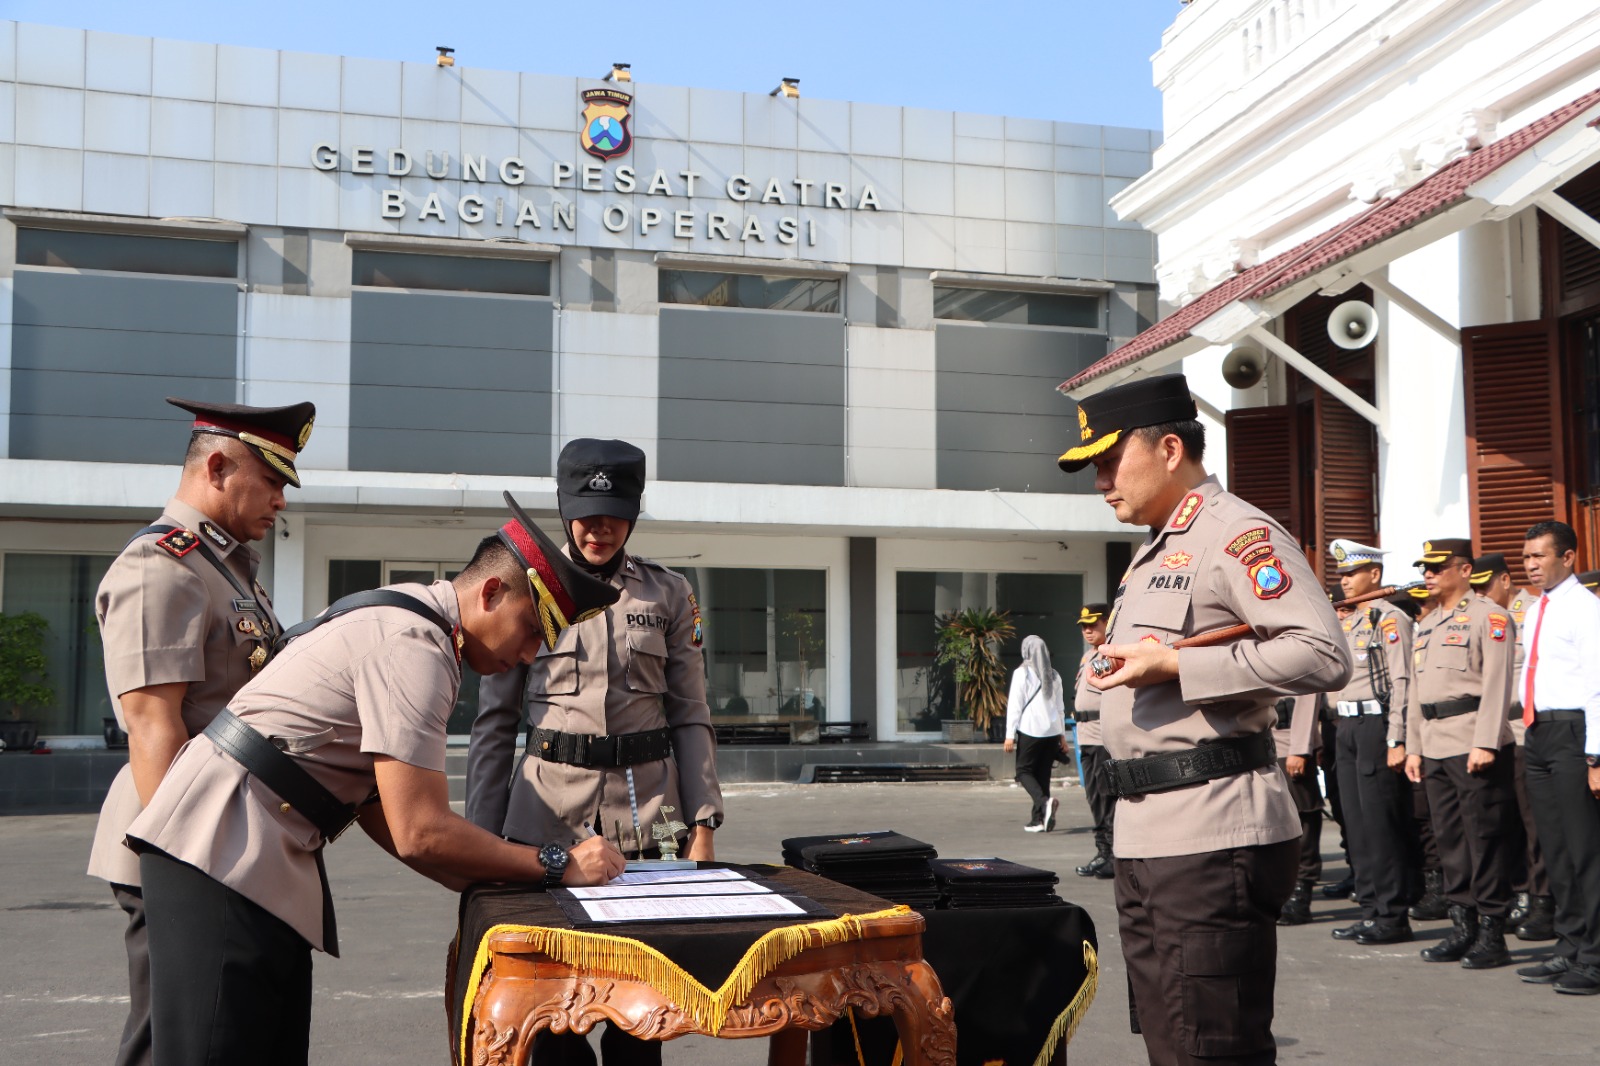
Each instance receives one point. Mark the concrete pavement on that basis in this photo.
(63, 988)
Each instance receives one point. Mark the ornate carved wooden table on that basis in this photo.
(786, 985)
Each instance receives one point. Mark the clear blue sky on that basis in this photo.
(1074, 60)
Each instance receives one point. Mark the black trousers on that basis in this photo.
(1200, 939)
(1569, 829)
(1308, 801)
(1377, 819)
(1529, 872)
(134, 1050)
(1474, 816)
(1036, 757)
(1426, 855)
(230, 984)
(1102, 804)
(1328, 734)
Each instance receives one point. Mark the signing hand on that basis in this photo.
(1479, 760)
(594, 862)
(1138, 665)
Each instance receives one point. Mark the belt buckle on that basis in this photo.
(341, 832)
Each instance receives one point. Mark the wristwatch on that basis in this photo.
(1593, 761)
(554, 859)
(1395, 744)
(714, 822)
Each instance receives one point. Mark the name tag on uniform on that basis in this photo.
(245, 606)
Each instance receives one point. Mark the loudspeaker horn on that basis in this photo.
(1353, 324)
(1244, 367)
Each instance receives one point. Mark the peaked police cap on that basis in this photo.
(1104, 417)
(563, 595)
(275, 434)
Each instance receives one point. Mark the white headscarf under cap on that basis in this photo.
(1037, 656)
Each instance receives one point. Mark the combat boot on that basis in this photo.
(1520, 906)
(1489, 950)
(1297, 909)
(1540, 924)
(1432, 906)
(1464, 930)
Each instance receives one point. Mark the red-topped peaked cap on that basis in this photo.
(275, 434)
(562, 593)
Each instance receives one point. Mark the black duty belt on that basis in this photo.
(1449, 708)
(586, 749)
(1175, 769)
(1085, 716)
(1558, 715)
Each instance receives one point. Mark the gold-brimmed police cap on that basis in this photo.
(1485, 567)
(1092, 613)
(275, 434)
(1589, 579)
(563, 594)
(1104, 417)
(1351, 555)
(1443, 550)
(1418, 593)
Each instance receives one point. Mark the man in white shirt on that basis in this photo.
(1560, 690)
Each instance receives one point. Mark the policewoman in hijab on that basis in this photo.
(1036, 729)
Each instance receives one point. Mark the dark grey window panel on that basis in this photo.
(749, 290)
(1004, 394)
(1019, 308)
(710, 379)
(980, 432)
(1001, 349)
(762, 464)
(751, 336)
(753, 423)
(126, 251)
(1019, 471)
(450, 384)
(456, 273)
(93, 359)
(99, 301)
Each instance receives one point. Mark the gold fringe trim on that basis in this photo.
(629, 959)
(1089, 451)
(1066, 1024)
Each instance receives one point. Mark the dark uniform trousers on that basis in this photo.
(1200, 938)
(1102, 804)
(1531, 873)
(1308, 801)
(1474, 820)
(1378, 819)
(1327, 729)
(134, 1049)
(230, 983)
(1426, 855)
(1036, 757)
(1569, 830)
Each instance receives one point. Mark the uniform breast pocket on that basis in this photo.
(647, 660)
(1449, 656)
(304, 742)
(1167, 611)
(554, 672)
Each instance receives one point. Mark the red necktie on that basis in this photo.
(1533, 662)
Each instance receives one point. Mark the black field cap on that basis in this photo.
(1589, 579)
(1092, 613)
(276, 434)
(1104, 417)
(599, 477)
(1442, 550)
(562, 593)
(1486, 567)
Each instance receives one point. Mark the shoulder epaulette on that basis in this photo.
(178, 543)
(652, 564)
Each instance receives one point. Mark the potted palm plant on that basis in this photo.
(23, 685)
(969, 643)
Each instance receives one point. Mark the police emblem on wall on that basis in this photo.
(605, 123)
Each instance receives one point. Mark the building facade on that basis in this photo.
(1436, 160)
(834, 328)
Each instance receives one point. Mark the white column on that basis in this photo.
(289, 569)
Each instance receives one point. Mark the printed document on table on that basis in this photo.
(667, 908)
(663, 877)
(616, 890)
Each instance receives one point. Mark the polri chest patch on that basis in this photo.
(646, 620)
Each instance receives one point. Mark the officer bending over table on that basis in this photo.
(346, 723)
(1206, 831)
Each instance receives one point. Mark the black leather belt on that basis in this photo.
(1449, 708)
(1558, 715)
(1175, 769)
(586, 749)
(1085, 716)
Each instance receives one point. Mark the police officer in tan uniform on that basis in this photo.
(1458, 743)
(184, 623)
(1370, 737)
(1092, 756)
(1297, 739)
(1533, 913)
(346, 723)
(1206, 835)
(617, 723)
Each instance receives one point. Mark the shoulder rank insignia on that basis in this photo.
(1186, 511)
(178, 543)
(217, 536)
(1497, 627)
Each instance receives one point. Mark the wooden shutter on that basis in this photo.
(1571, 264)
(1261, 447)
(1346, 487)
(1516, 470)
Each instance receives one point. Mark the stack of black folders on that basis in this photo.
(989, 883)
(883, 863)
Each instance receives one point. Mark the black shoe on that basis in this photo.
(1391, 932)
(1579, 981)
(1546, 972)
(1297, 908)
(1520, 908)
(1463, 934)
(1093, 867)
(1540, 924)
(1432, 907)
(1489, 949)
(1339, 889)
(1351, 932)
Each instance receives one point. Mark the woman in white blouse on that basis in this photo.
(1036, 729)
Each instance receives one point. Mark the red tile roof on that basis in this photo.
(1444, 189)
